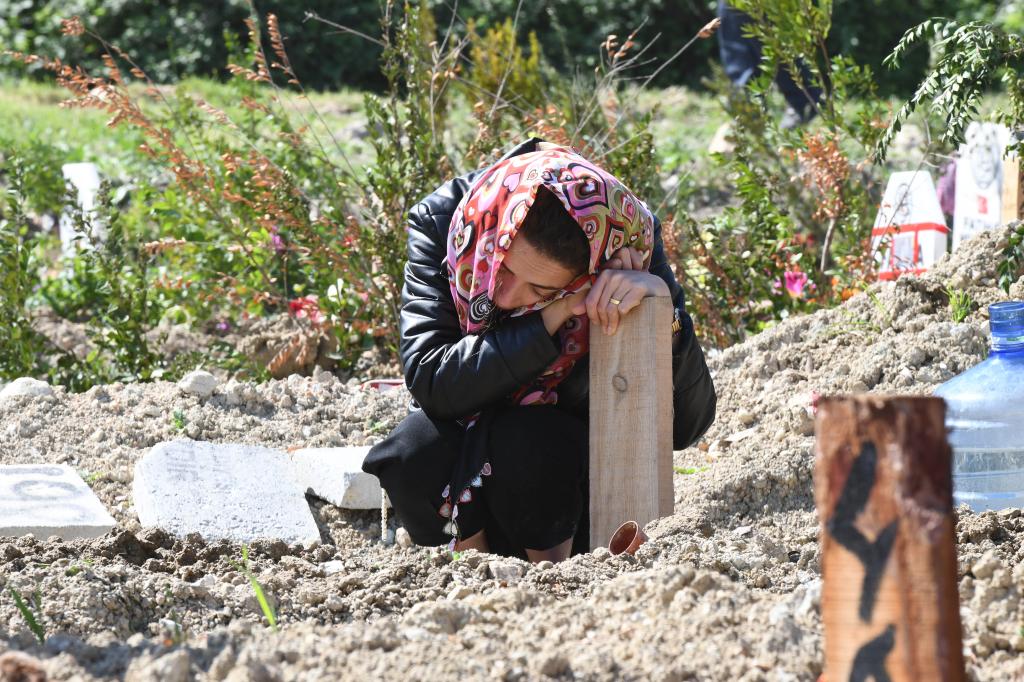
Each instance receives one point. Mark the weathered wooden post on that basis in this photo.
(631, 420)
(884, 493)
(1012, 204)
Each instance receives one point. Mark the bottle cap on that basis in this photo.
(1006, 320)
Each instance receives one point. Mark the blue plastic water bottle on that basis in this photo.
(986, 418)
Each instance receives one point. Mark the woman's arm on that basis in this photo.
(448, 374)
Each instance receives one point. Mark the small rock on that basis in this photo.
(334, 603)
(602, 553)
(554, 665)
(505, 570)
(543, 565)
(460, 592)
(403, 539)
(26, 386)
(746, 417)
(15, 665)
(171, 667)
(742, 530)
(332, 567)
(198, 382)
(312, 595)
(703, 583)
(984, 567)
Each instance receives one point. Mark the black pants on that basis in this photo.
(741, 59)
(534, 498)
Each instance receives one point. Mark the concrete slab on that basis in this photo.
(49, 499)
(336, 475)
(222, 491)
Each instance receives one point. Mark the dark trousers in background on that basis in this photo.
(741, 59)
(535, 497)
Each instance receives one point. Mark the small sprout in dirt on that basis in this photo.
(960, 303)
(378, 427)
(456, 556)
(268, 610)
(883, 312)
(686, 471)
(172, 631)
(92, 478)
(28, 614)
(179, 420)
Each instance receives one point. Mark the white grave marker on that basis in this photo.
(49, 499)
(979, 180)
(222, 491)
(910, 232)
(85, 178)
(336, 475)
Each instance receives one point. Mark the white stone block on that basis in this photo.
(222, 491)
(336, 475)
(198, 382)
(25, 386)
(49, 499)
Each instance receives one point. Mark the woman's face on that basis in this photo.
(528, 277)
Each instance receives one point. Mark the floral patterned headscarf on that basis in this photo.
(489, 216)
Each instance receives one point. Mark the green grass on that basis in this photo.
(31, 111)
(29, 616)
(268, 610)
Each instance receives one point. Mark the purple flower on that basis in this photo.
(277, 242)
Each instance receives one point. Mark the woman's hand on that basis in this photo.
(622, 280)
(558, 312)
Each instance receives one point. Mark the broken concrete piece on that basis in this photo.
(49, 499)
(222, 491)
(336, 475)
(25, 386)
(198, 382)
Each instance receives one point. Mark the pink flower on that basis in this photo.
(307, 306)
(795, 283)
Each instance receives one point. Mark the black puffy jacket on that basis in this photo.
(451, 375)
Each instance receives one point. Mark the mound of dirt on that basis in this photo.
(727, 588)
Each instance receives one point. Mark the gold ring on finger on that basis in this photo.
(614, 301)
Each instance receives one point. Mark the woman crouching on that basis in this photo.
(508, 268)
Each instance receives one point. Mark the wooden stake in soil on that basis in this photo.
(631, 420)
(1012, 203)
(884, 491)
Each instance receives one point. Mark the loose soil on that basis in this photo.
(728, 588)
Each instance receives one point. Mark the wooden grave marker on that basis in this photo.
(631, 420)
(1013, 190)
(883, 487)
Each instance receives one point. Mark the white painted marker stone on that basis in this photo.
(979, 180)
(222, 491)
(49, 499)
(336, 475)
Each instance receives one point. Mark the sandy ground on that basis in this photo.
(728, 588)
